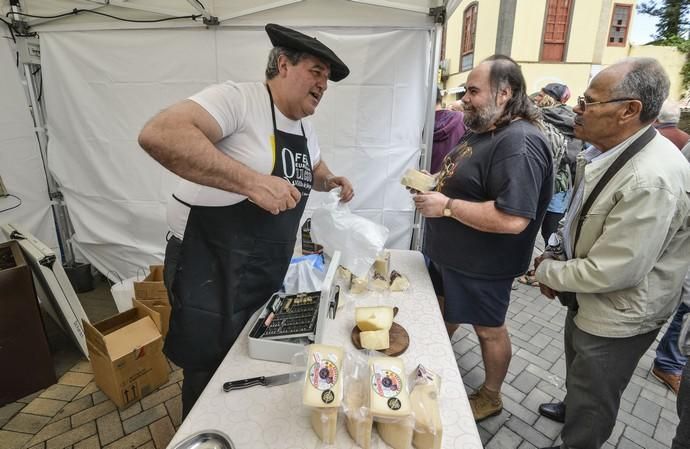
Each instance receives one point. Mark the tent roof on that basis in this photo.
(404, 13)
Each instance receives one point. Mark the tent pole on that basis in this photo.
(428, 134)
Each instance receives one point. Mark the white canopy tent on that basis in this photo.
(102, 79)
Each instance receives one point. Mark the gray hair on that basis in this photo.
(272, 66)
(670, 112)
(646, 81)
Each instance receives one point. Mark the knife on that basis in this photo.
(266, 381)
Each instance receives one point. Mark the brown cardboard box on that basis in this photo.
(126, 354)
(163, 308)
(152, 286)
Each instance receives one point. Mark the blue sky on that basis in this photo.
(643, 29)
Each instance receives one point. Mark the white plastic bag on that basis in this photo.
(358, 239)
(305, 274)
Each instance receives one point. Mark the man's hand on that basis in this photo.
(274, 194)
(430, 204)
(545, 290)
(346, 190)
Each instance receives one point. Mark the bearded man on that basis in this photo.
(482, 220)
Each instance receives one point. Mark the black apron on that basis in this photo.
(232, 259)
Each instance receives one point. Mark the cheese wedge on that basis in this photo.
(358, 285)
(418, 181)
(378, 282)
(399, 282)
(382, 265)
(324, 421)
(376, 340)
(397, 435)
(374, 318)
(428, 428)
(323, 383)
(358, 420)
(388, 397)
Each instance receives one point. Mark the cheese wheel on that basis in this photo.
(418, 181)
(323, 383)
(374, 318)
(388, 397)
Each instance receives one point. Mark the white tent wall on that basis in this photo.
(21, 166)
(101, 87)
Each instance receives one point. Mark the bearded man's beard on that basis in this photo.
(480, 120)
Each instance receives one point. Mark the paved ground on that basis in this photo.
(75, 414)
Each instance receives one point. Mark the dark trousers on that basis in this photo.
(682, 439)
(194, 381)
(598, 370)
(550, 225)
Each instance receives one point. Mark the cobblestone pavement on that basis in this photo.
(74, 413)
(647, 418)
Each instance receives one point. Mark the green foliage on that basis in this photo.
(672, 16)
(683, 45)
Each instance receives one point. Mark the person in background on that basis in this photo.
(456, 106)
(621, 262)
(484, 215)
(249, 159)
(449, 128)
(667, 124)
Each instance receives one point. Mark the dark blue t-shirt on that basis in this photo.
(511, 166)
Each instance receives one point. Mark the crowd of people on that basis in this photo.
(604, 181)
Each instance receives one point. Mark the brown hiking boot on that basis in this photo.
(485, 403)
(672, 381)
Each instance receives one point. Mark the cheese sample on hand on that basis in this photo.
(323, 384)
(374, 318)
(428, 429)
(399, 282)
(388, 397)
(375, 340)
(324, 421)
(418, 181)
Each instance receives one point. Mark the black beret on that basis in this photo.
(294, 40)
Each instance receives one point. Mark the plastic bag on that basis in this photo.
(305, 274)
(358, 239)
(123, 292)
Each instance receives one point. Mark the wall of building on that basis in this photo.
(670, 58)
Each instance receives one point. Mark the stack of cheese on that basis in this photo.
(323, 389)
(428, 430)
(374, 324)
(389, 402)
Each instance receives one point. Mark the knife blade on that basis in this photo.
(266, 381)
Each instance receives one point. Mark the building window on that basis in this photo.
(556, 30)
(469, 28)
(618, 34)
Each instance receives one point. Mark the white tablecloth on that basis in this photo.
(261, 417)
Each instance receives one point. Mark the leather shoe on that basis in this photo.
(554, 411)
(672, 381)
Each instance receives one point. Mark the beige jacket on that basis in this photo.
(633, 252)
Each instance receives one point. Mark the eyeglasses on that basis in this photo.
(583, 103)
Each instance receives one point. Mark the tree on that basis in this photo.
(672, 14)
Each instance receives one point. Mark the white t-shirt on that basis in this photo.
(243, 112)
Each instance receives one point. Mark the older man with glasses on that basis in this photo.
(623, 249)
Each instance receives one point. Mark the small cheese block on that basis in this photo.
(382, 265)
(374, 318)
(378, 283)
(358, 285)
(323, 383)
(418, 181)
(397, 435)
(375, 340)
(388, 397)
(428, 427)
(399, 282)
(358, 420)
(324, 421)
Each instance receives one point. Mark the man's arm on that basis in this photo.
(182, 139)
(483, 216)
(325, 181)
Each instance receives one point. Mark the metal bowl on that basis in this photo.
(206, 439)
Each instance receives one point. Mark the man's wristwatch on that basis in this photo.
(447, 211)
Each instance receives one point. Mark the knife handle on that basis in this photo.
(244, 383)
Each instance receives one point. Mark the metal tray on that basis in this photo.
(206, 439)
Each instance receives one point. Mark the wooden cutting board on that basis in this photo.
(398, 337)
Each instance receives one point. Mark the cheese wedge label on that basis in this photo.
(386, 382)
(323, 374)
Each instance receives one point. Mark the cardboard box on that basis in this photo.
(152, 286)
(126, 354)
(163, 308)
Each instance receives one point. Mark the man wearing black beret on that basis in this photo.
(248, 159)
